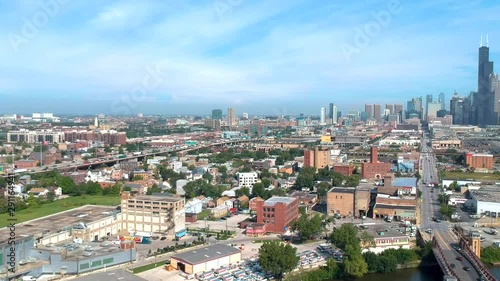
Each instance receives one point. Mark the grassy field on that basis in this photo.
(149, 266)
(470, 175)
(59, 206)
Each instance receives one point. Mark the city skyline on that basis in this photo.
(257, 57)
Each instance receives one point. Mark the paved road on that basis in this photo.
(445, 239)
(430, 208)
(94, 162)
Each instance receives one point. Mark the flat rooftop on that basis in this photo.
(206, 254)
(486, 194)
(52, 224)
(276, 199)
(387, 206)
(402, 182)
(339, 189)
(80, 251)
(112, 275)
(378, 231)
(169, 199)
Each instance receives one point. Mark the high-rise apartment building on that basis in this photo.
(332, 113)
(377, 113)
(432, 109)
(495, 91)
(483, 104)
(322, 116)
(428, 99)
(414, 108)
(442, 101)
(217, 114)
(460, 109)
(369, 110)
(391, 108)
(231, 117)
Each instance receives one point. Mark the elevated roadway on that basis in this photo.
(450, 247)
(96, 162)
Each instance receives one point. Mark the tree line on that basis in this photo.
(280, 259)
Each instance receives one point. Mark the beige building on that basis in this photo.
(348, 201)
(318, 158)
(206, 259)
(445, 144)
(160, 214)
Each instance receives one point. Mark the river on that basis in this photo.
(424, 274)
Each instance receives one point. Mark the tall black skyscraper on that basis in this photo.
(482, 110)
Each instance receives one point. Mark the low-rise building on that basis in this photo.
(348, 201)
(252, 205)
(386, 238)
(277, 213)
(206, 259)
(247, 179)
(161, 214)
(343, 168)
(479, 161)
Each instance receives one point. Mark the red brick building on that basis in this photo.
(344, 169)
(277, 213)
(374, 169)
(26, 164)
(479, 161)
(252, 205)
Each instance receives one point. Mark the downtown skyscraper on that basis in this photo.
(483, 101)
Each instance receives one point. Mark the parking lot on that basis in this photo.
(230, 223)
(310, 257)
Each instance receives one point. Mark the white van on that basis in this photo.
(29, 278)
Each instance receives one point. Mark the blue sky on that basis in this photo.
(261, 57)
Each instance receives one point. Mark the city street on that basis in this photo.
(430, 208)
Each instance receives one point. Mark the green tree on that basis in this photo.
(258, 190)
(32, 201)
(208, 177)
(278, 258)
(352, 181)
(337, 179)
(388, 263)
(373, 262)
(345, 235)
(306, 178)
(366, 240)
(354, 266)
(322, 189)
(307, 226)
(51, 196)
(242, 191)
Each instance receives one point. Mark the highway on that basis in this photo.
(430, 208)
(94, 162)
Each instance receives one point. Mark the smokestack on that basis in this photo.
(374, 155)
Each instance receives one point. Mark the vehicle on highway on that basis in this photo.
(491, 231)
(452, 265)
(466, 268)
(460, 258)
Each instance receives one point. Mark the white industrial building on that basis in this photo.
(486, 201)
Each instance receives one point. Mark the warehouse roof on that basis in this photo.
(206, 254)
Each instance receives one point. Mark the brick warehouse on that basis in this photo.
(374, 169)
(348, 201)
(277, 213)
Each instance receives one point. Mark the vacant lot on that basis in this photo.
(59, 206)
(470, 175)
